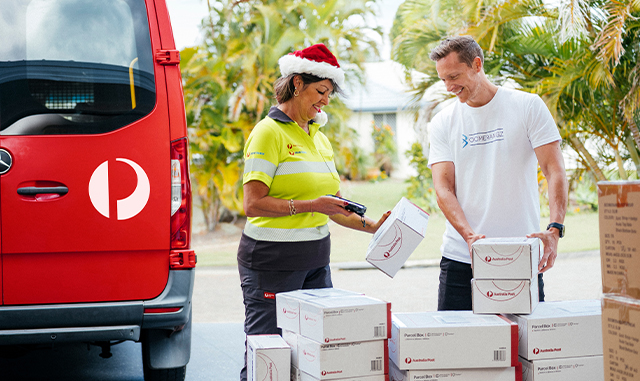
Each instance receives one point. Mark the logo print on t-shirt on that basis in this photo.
(483, 138)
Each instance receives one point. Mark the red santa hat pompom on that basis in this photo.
(315, 60)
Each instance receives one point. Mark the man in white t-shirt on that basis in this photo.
(484, 154)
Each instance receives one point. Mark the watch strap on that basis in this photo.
(558, 226)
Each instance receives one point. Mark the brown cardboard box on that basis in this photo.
(619, 209)
(621, 337)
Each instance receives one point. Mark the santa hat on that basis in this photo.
(315, 60)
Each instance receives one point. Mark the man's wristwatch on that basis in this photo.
(558, 226)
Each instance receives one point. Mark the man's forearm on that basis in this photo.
(558, 197)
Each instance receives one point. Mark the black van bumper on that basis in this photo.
(87, 322)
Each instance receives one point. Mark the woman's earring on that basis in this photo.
(296, 92)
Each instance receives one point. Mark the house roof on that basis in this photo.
(384, 90)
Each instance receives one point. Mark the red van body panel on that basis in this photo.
(61, 249)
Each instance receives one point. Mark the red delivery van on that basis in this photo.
(95, 198)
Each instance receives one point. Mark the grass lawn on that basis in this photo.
(219, 249)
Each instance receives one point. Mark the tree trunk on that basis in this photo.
(620, 163)
(633, 151)
(634, 131)
(593, 166)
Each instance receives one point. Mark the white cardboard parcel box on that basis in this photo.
(288, 304)
(343, 360)
(381, 377)
(292, 340)
(513, 373)
(398, 237)
(569, 328)
(345, 319)
(506, 258)
(452, 340)
(495, 296)
(268, 358)
(586, 368)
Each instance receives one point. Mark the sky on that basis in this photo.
(187, 14)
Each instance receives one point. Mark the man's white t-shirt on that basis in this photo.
(492, 148)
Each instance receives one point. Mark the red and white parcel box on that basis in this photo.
(268, 358)
(570, 328)
(496, 296)
(345, 319)
(343, 360)
(398, 237)
(288, 304)
(506, 258)
(452, 340)
(564, 369)
(513, 373)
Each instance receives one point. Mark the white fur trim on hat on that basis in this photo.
(291, 64)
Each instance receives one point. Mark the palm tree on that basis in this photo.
(590, 100)
(228, 80)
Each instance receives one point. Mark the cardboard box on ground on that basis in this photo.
(619, 211)
(621, 337)
(398, 237)
(619, 215)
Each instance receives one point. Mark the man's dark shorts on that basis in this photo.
(454, 292)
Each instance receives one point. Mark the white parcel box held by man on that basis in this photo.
(506, 258)
(495, 296)
(398, 237)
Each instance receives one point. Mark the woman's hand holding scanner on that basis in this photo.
(331, 205)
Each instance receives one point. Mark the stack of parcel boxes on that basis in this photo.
(335, 334)
(558, 341)
(478, 345)
(619, 210)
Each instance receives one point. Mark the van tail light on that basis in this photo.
(180, 206)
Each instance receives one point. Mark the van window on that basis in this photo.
(74, 66)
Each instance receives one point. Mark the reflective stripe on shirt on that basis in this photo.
(285, 235)
(292, 168)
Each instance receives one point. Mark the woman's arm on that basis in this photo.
(258, 203)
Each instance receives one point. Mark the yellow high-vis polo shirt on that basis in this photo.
(295, 166)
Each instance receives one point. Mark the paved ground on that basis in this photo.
(218, 298)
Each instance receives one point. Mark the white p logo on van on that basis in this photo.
(127, 207)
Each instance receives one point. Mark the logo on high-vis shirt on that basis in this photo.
(127, 207)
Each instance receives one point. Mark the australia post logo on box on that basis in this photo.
(504, 291)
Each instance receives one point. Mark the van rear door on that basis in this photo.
(85, 205)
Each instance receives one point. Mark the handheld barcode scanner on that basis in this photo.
(354, 207)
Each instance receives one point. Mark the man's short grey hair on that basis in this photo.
(466, 47)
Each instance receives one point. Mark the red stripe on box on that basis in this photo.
(386, 357)
(519, 371)
(388, 320)
(514, 340)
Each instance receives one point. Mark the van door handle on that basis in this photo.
(32, 191)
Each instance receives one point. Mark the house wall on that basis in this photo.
(405, 137)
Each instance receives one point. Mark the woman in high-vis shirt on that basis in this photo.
(289, 171)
